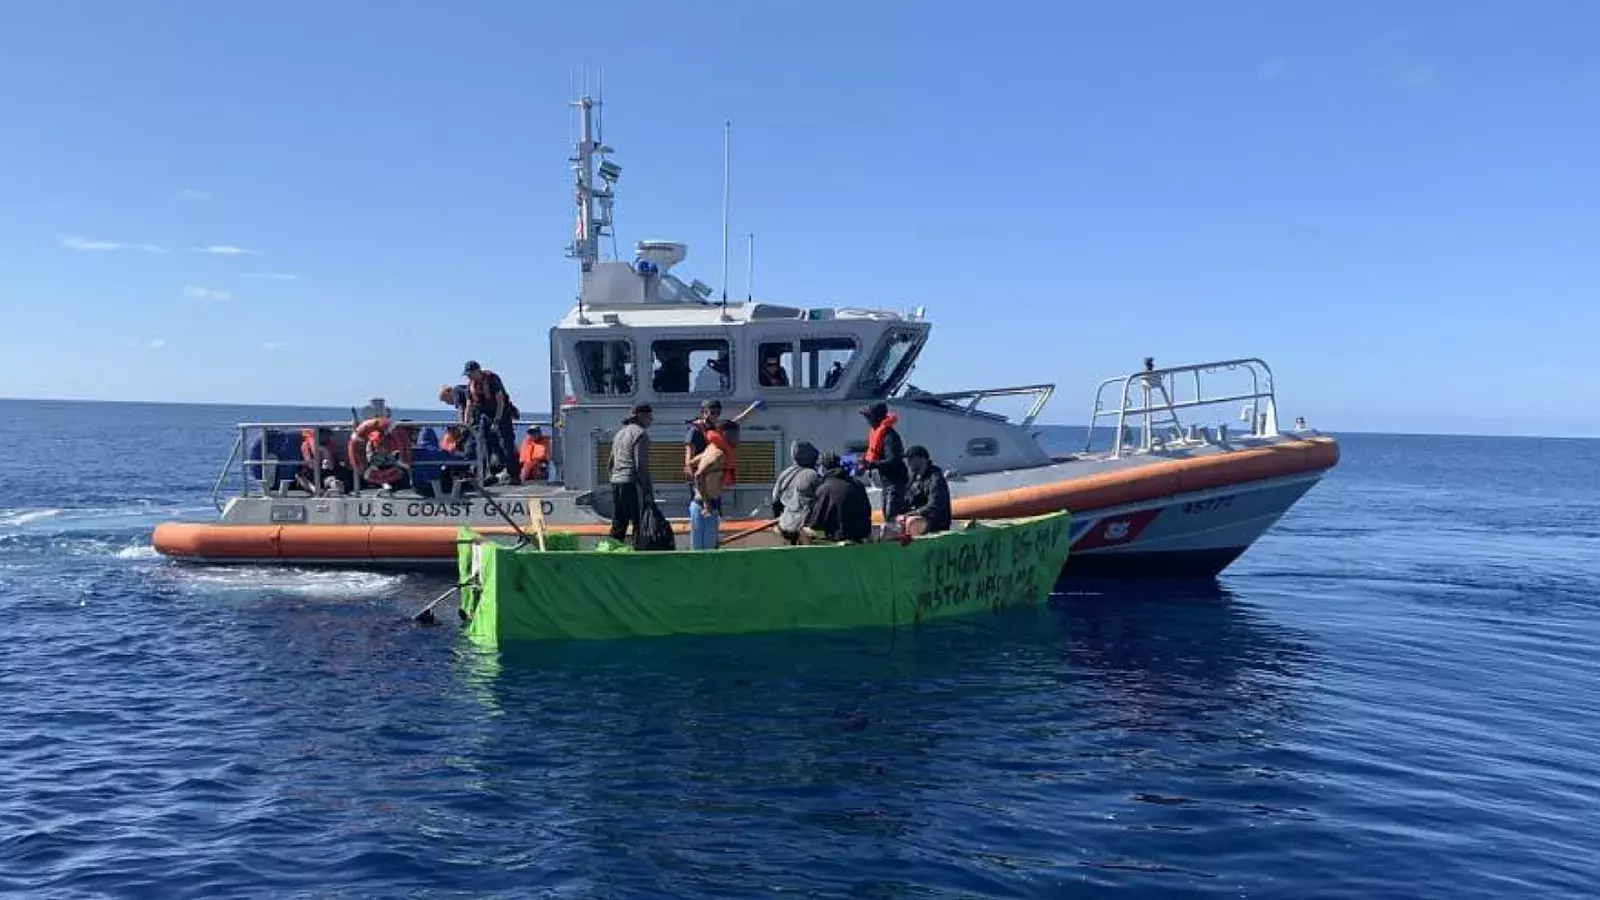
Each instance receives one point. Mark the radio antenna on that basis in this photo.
(727, 164)
(750, 267)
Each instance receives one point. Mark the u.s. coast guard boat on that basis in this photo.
(1154, 490)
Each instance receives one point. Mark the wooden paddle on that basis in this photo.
(536, 515)
(741, 535)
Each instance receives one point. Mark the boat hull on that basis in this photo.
(514, 595)
(1186, 516)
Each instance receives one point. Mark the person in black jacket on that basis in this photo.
(928, 495)
(841, 511)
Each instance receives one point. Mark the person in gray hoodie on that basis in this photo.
(796, 490)
(631, 489)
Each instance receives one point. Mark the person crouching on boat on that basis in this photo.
(533, 455)
(631, 490)
(796, 491)
(928, 495)
(381, 453)
(886, 456)
(842, 511)
(492, 414)
(715, 472)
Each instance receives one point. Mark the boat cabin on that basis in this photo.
(639, 334)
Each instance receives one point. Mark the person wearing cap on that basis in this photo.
(796, 491)
(631, 489)
(714, 474)
(694, 440)
(841, 511)
(492, 414)
(927, 495)
(533, 455)
(885, 455)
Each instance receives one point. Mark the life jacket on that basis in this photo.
(379, 452)
(876, 437)
(308, 445)
(730, 460)
(478, 393)
(533, 450)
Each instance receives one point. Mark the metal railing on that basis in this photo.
(251, 471)
(1151, 398)
(973, 399)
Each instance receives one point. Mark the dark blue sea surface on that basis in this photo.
(1396, 693)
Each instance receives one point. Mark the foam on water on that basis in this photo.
(16, 518)
(299, 582)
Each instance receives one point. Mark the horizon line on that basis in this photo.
(547, 415)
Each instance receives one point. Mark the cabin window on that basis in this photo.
(690, 366)
(816, 364)
(607, 367)
(892, 362)
(823, 362)
(775, 365)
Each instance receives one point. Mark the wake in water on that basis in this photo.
(297, 582)
(16, 518)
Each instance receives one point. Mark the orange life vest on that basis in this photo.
(876, 437)
(533, 450)
(308, 445)
(730, 460)
(380, 453)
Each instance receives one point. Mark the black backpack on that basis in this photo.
(655, 532)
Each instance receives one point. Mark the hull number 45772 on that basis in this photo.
(1210, 504)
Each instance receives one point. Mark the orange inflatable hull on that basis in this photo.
(392, 543)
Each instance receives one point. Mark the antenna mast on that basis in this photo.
(750, 267)
(594, 203)
(727, 162)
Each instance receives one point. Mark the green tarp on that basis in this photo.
(515, 595)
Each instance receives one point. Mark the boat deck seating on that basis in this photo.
(272, 463)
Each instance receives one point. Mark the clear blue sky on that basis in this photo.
(1396, 204)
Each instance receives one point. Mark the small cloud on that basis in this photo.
(275, 276)
(225, 250)
(1385, 40)
(1417, 75)
(156, 343)
(196, 292)
(272, 346)
(1272, 69)
(190, 194)
(83, 244)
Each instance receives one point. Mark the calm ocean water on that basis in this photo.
(1395, 694)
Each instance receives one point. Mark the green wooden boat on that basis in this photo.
(563, 593)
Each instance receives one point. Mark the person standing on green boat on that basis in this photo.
(842, 511)
(631, 489)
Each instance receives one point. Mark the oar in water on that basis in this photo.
(747, 532)
(425, 615)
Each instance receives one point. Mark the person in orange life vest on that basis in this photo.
(715, 471)
(492, 414)
(533, 455)
(380, 453)
(886, 456)
(325, 469)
